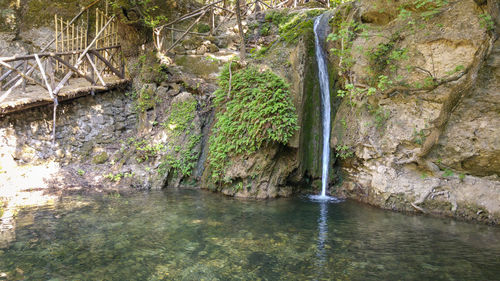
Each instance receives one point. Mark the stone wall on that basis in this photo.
(84, 128)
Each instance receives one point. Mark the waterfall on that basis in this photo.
(324, 86)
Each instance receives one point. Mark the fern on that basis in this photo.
(258, 110)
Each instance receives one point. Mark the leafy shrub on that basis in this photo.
(203, 28)
(257, 110)
(265, 29)
(145, 99)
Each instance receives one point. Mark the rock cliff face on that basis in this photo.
(429, 141)
(279, 170)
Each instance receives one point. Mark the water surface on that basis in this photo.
(195, 235)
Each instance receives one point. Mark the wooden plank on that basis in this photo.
(25, 70)
(31, 57)
(108, 64)
(21, 74)
(42, 71)
(95, 70)
(110, 60)
(76, 70)
(6, 75)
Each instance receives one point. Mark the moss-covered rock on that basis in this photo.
(100, 158)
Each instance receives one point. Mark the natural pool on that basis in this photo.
(196, 235)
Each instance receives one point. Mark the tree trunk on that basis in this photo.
(240, 28)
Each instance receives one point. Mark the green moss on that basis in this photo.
(149, 69)
(293, 25)
(265, 29)
(180, 122)
(145, 99)
(181, 116)
(100, 158)
(203, 28)
(257, 110)
(199, 65)
(185, 161)
(145, 150)
(311, 122)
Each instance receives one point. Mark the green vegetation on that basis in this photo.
(203, 28)
(181, 116)
(380, 115)
(2, 205)
(461, 177)
(388, 58)
(150, 13)
(80, 172)
(293, 25)
(253, 109)
(149, 69)
(179, 123)
(418, 136)
(447, 173)
(344, 35)
(344, 151)
(118, 177)
(265, 29)
(487, 21)
(185, 162)
(145, 150)
(145, 99)
(386, 54)
(429, 8)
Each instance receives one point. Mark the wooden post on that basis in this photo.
(25, 70)
(96, 71)
(91, 70)
(103, 35)
(57, 42)
(97, 27)
(62, 39)
(172, 33)
(212, 20)
(72, 41)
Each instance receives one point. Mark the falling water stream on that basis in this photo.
(324, 86)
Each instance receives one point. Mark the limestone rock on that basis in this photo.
(461, 175)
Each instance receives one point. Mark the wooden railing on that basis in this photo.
(73, 57)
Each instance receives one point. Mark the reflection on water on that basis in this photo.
(322, 236)
(194, 235)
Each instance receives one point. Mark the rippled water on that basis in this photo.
(195, 235)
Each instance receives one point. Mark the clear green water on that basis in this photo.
(195, 235)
